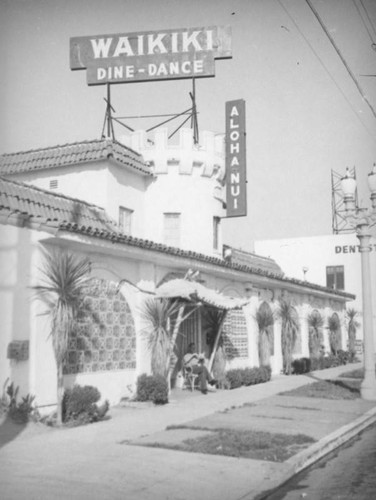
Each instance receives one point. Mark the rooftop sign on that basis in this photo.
(148, 56)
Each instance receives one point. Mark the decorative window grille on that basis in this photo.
(235, 335)
(335, 277)
(104, 335)
(54, 184)
(171, 229)
(125, 220)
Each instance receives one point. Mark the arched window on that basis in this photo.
(265, 323)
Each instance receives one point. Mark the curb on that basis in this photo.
(329, 443)
(314, 453)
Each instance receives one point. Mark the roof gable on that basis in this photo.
(30, 205)
(72, 154)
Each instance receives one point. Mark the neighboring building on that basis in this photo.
(144, 216)
(333, 261)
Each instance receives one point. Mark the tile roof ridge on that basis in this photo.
(47, 192)
(47, 148)
(105, 140)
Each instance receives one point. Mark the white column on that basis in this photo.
(368, 386)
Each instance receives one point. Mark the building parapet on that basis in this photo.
(205, 159)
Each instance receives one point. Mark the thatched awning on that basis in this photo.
(196, 292)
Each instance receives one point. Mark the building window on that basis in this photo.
(125, 220)
(171, 229)
(216, 223)
(335, 277)
(53, 184)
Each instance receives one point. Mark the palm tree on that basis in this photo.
(334, 331)
(63, 282)
(315, 324)
(265, 321)
(162, 319)
(290, 331)
(352, 325)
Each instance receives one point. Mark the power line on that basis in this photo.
(351, 74)
(325, 68)
(368, 17)
(362, 19)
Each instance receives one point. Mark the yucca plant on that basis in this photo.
(315, 324)
(64, 278)
(157, 315)
(290, 331)
(162, 319)
(334, 328)
(352, 325)
(265, 321)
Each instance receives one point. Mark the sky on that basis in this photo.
(304, 114)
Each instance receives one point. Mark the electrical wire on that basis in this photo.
(351, 74)
(326, 69)
(368, 17)
(362, 19)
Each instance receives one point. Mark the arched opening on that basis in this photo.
(265, 323)
(315, 333)
(334, 326)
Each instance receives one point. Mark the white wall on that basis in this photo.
(188, 182)
(318, 252)
(104, 184)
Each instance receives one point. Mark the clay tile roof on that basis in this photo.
(72, 154)
(34, 205)
(22, 204)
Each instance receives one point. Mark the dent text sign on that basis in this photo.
(236, 172)
(157, 55)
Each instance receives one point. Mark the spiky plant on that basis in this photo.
(352, 325)
(315, 324)
(334, 328)
(157, 315)
(212, 320)
(265, 320)
(290, 331)
(64, 277)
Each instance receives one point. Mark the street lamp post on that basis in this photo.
(362, 220)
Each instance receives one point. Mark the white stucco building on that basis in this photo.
(329, 260)
(144, 215)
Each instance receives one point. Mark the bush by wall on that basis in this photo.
(152, 388)
(248, 376)
(302, 365)
(20, 412)
(79, 405)
(305, 365)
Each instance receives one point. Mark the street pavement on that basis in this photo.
(104, 461)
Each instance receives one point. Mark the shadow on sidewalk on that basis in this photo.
(9, 430)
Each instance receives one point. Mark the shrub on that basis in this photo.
(302, 365)
(20, 412)
(24, 411)
(248, 376)
(234, 378)
(152, 388)
(79, 404)
(323, 362)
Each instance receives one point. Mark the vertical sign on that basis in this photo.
(236, 171)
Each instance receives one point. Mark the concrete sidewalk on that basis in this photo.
(93, 461)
